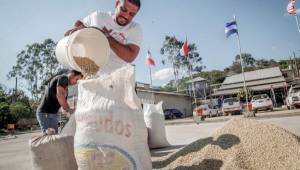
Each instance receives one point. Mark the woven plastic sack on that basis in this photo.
(52, 152)
(111, 132)
(154, 119)
(70, 127)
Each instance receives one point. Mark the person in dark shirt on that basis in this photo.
(54, 98)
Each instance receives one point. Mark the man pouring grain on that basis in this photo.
(123, 34)
(55, 97)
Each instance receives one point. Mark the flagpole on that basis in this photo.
(242, 65)
(150, 75)
(152, 93)
(296, 17)
(175, 73)
(191, 76)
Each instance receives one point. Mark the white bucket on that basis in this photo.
(87, 42)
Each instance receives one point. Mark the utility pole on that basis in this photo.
(293, 67)
(15, 90)
(296, 65)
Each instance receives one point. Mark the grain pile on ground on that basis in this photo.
(240, 144)
(88, 66)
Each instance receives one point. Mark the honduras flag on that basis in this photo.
(231, 28)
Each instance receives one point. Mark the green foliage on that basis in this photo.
(3, 95)
(262, 63)
(242, 95)
(170, 86)
(248, 60)
(4, 109)
(35, 65)
(4, 114)
(235, 68)
(20, 110)
(217, 77)
(171, 54)
(13, 106)
(214, 76)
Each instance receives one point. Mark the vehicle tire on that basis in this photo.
(288, 107)
(254, 111)
(173, 117)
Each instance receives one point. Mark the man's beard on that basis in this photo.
(125, 21)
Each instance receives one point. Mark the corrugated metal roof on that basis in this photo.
(253, 83)
(257, 80)
(196, 80)
(254, 75)
(254, 88)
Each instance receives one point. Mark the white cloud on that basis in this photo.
(163, 74)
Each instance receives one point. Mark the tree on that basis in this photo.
(214, 76)
(171, 52)
(35, 65)
(235, 68)
(3, 95)
(248, 60)
(262, 63)
(20, 110)
(242, 95)
(4, 114)
(170, 86)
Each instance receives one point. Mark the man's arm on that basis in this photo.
(127, 52)
(61, 95)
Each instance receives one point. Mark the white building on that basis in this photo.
(171, 100)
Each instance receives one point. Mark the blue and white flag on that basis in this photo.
(231, 28)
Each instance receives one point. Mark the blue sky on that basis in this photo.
(265, 29)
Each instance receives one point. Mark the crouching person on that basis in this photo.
(55, 96)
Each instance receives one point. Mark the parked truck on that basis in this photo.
(293, 97)
(231, 106)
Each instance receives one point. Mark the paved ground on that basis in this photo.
(278, 112)
(187, 133)
(14, 153)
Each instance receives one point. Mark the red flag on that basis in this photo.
(149, 59)
(185, 49)
(291, 9)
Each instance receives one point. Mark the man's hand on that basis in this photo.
(106, 31)
(68, 113)
(78, 25)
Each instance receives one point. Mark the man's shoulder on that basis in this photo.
(63, 77)
(101, 14)
(135, 26)
(62, 80)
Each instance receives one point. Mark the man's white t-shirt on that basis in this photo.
(129, 34)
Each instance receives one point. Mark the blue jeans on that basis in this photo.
(47, 120)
